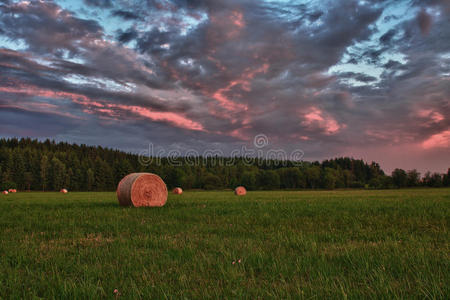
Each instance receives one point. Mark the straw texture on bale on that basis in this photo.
(240, 191)
(5, 192)
(64, 191)
(142, 189)
(177, 191)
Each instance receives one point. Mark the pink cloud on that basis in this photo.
(244, 83)
(431, 116)
(226, 26)
(93, 107)
(316, 118)
(170, 117)
(217, 62)
(378, 135)
(438, 140)
(391, 136)
(226, 103)
(35, 91)
(296, 136)
(237, 18)
(239, 134)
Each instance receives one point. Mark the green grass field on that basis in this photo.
(292, 244)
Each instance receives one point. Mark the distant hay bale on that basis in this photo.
(240, 191)
(12, 191)
(177, 191)
(5, 192)
(64, 191)
(142, 189)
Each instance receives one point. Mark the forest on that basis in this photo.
(30, 164)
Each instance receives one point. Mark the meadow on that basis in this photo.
(348, 244)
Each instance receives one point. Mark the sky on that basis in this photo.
(366, 79)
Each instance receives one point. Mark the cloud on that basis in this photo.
(316, 118)
(47, 28)
(358, 76)
(126, 36)
(126, 15)
(424, 20)
(207, 74)
(438, 140)
(387, 37)
(99, 3)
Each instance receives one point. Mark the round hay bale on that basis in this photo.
(64, 191)
(11, 191)
(177, 191)
(142, 189)
(5, 192)
(240, 191)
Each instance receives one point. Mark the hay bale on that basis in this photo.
(142, 189)
(5, 192)
(177, 191)
(64, 191)
(12, 190)
(240, 191)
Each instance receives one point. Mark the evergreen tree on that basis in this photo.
(269, 179)
(18, 168)
(249, 180)
(90, 179)
(31, 164)
(212, 182)
(57, 174)
(28, 180)
(44, 170)
(67, 181)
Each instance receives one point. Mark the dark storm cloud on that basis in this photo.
(126, 36)
(99, 3)
(315, 16)
(215, 73)
(264, 33)
(124, 14)
(391, 64)
(46, 28)
(49, 79)
(357, 76)
(387, 37)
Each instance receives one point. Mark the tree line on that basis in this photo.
(29, 164)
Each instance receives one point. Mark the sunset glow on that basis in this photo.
(214, 74)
